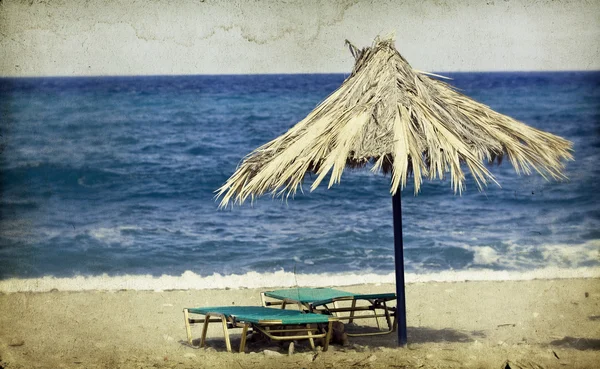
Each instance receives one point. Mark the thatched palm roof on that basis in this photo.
(402, 121)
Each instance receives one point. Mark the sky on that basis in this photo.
(82, 38)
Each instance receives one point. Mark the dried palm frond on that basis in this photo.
(404, 122)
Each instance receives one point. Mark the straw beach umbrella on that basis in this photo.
(403, 122)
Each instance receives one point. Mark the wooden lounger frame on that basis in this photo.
(388, 312)
(311, 331)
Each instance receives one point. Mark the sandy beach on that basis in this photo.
(527, 324)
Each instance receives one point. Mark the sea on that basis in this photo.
(109, 183)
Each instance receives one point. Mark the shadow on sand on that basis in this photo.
(578, 343)
(416, 335)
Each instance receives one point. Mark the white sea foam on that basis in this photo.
(113, 235)
(559, 255)
(193, 281)
(485, 255)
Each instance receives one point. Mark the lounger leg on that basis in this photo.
(335, 306)
(204, 330)
(226, 334)
(188, 329)
(387, 316)
(311, 340)
(243, 343)
(262, 299)
(375, 313)
(352, 311)
(328, 336)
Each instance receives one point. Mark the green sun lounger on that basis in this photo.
(327, 301)
(276, 324)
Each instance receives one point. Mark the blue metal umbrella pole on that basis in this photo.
(399, 261)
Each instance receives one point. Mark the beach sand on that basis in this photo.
(527, 324)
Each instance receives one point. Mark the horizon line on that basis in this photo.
(286, 74)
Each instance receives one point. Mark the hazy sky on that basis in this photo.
(212, 37)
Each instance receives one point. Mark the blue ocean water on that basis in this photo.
(116, 175)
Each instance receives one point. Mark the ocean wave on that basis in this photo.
(280, 279)
(118, 235)
(558, 255)
(45, 174)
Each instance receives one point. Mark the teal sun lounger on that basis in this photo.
(328, 301)
(277, 324)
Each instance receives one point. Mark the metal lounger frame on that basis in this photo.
(263, 326)
(375, 304)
